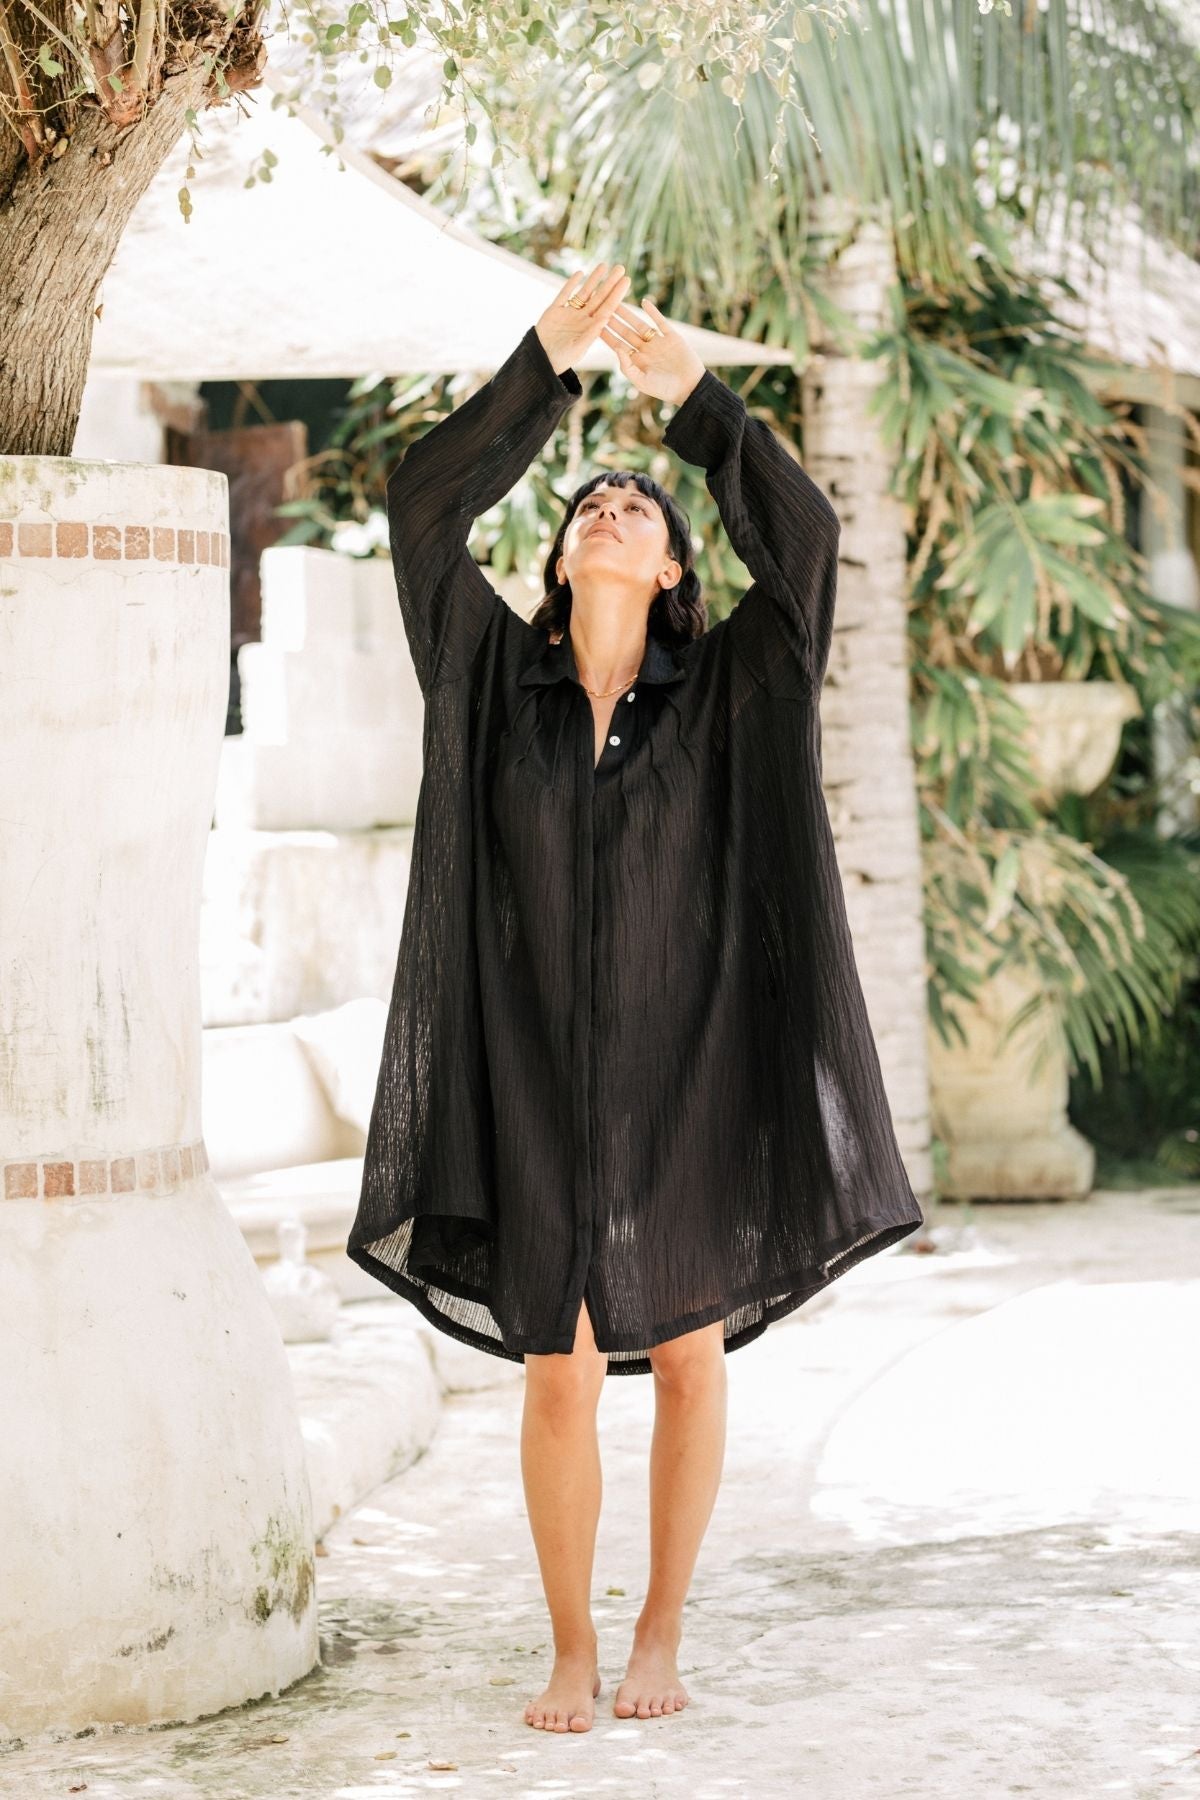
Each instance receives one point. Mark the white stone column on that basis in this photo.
(1174, 578)
(156, 1557)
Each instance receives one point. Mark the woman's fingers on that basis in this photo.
(639, 322)
(627, 334)
(618, 343)
(609, 294)
(578, 285)
(597, 287)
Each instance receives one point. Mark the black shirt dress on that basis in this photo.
(627, 1060)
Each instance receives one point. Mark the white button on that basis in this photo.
(614, 740)
(629, 696)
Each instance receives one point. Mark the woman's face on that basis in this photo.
(618, 534)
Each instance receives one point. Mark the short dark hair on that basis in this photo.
(678, 614)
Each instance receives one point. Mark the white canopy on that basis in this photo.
(322, 271)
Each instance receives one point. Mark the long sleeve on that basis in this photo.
(462, 466)
(780, 524)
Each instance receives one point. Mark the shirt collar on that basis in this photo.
(557, 663)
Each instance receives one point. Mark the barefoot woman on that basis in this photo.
(629, 1110)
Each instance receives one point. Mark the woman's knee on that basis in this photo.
(691, 1360)
(564, 1381)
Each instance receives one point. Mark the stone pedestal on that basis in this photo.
(1000, 1104)
(156, 1558)
(1000, 1100)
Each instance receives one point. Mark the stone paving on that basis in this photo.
(955, 1553)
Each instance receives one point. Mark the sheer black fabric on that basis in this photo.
(627, 1058)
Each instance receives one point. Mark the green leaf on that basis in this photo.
(1003, 887)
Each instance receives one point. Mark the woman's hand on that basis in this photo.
(666, 366)
(566, 331)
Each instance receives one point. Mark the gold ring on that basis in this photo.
(575, 301)
(652, 333)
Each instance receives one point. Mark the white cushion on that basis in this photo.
(264, 1105)
(345, 1047)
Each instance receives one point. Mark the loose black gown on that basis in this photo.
(627, 1059)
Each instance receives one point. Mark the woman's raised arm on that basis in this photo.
(461, 466)
(779, 522)
(777, 519)
(468, 461)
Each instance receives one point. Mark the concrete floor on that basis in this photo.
(955, 1553)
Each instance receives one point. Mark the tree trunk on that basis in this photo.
(867, 762)
(61, 220)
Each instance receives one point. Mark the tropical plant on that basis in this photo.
(1016, 477)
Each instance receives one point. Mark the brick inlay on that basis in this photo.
(34, 540)
(161, 1171)
(73, 539)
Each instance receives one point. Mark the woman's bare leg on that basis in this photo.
(560, 1465)
(687, 1453)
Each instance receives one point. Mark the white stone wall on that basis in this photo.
(330, 702)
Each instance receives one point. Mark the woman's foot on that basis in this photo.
(568, 1702)
(651, 1687)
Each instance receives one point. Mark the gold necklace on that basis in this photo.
(557, 638)
(611, 691)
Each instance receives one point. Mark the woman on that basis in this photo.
(630, 1109)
